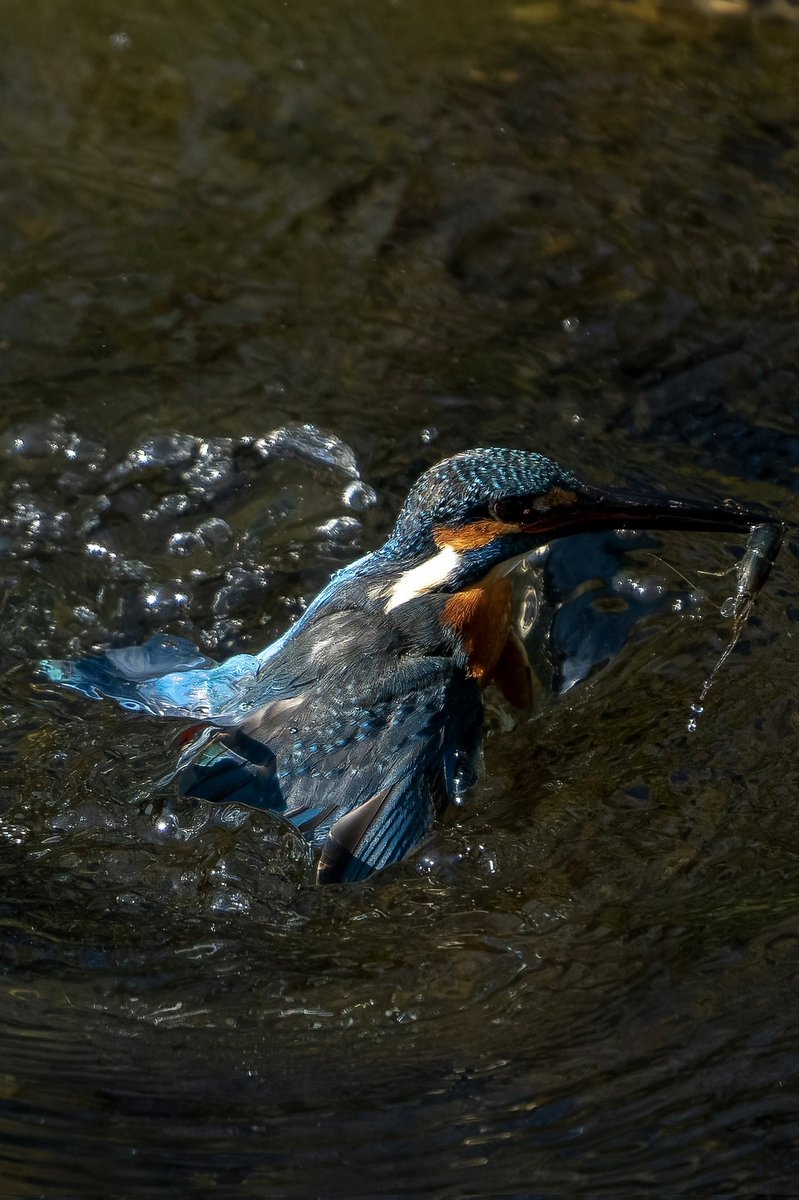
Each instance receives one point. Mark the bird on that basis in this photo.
(364, 720)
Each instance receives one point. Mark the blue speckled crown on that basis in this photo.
(459, 489)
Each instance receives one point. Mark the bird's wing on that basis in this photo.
(404, 773)
(346, 732)
(361, 766)
(169, 677)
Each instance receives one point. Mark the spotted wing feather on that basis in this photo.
(362, 762)
(347, 730)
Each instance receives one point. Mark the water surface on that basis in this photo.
(261, 266)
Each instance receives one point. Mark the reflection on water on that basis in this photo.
(260, 267)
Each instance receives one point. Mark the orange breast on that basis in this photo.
(481, 616)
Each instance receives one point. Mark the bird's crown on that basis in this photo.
(475, 487)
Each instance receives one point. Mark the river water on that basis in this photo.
(262, 264)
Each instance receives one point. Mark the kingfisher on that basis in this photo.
(363, 720)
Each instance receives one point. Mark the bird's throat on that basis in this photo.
(480, 616)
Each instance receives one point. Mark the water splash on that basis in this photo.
(753, 570)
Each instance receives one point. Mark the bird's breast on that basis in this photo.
(481, 618)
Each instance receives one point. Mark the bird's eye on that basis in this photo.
(507, 510)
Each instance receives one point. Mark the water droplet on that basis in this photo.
(307, 441)
(214, 533)
(359, 495)
(697, 709)
(212, 472)
(168, 825)
(163, 602)
(174, 505)
(340, 529)
(225, 901)
(96, 550)
(162, 450)
(183, 544)
(728, 607)
(464, 777)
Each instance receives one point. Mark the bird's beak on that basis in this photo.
(607, 508)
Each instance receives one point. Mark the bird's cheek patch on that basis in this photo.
(474, 536)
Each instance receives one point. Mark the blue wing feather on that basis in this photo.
(350, 733)
(166, 677)
(240, 770)
(365, 773)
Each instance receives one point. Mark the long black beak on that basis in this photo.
(630, 510)
(606, 508)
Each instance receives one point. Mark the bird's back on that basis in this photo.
(361, 747)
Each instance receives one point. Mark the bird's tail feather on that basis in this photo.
(378, 832)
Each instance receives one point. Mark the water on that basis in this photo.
(261, 266)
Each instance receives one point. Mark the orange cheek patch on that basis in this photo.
(474, 536)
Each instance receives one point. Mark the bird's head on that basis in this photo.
(484, 509)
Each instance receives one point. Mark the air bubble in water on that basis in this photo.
(214, 533)
(183, 544)
(340, 529)
(359, 495)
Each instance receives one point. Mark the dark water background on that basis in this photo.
(416, 228)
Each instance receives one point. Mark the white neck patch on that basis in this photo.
(428, 576)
